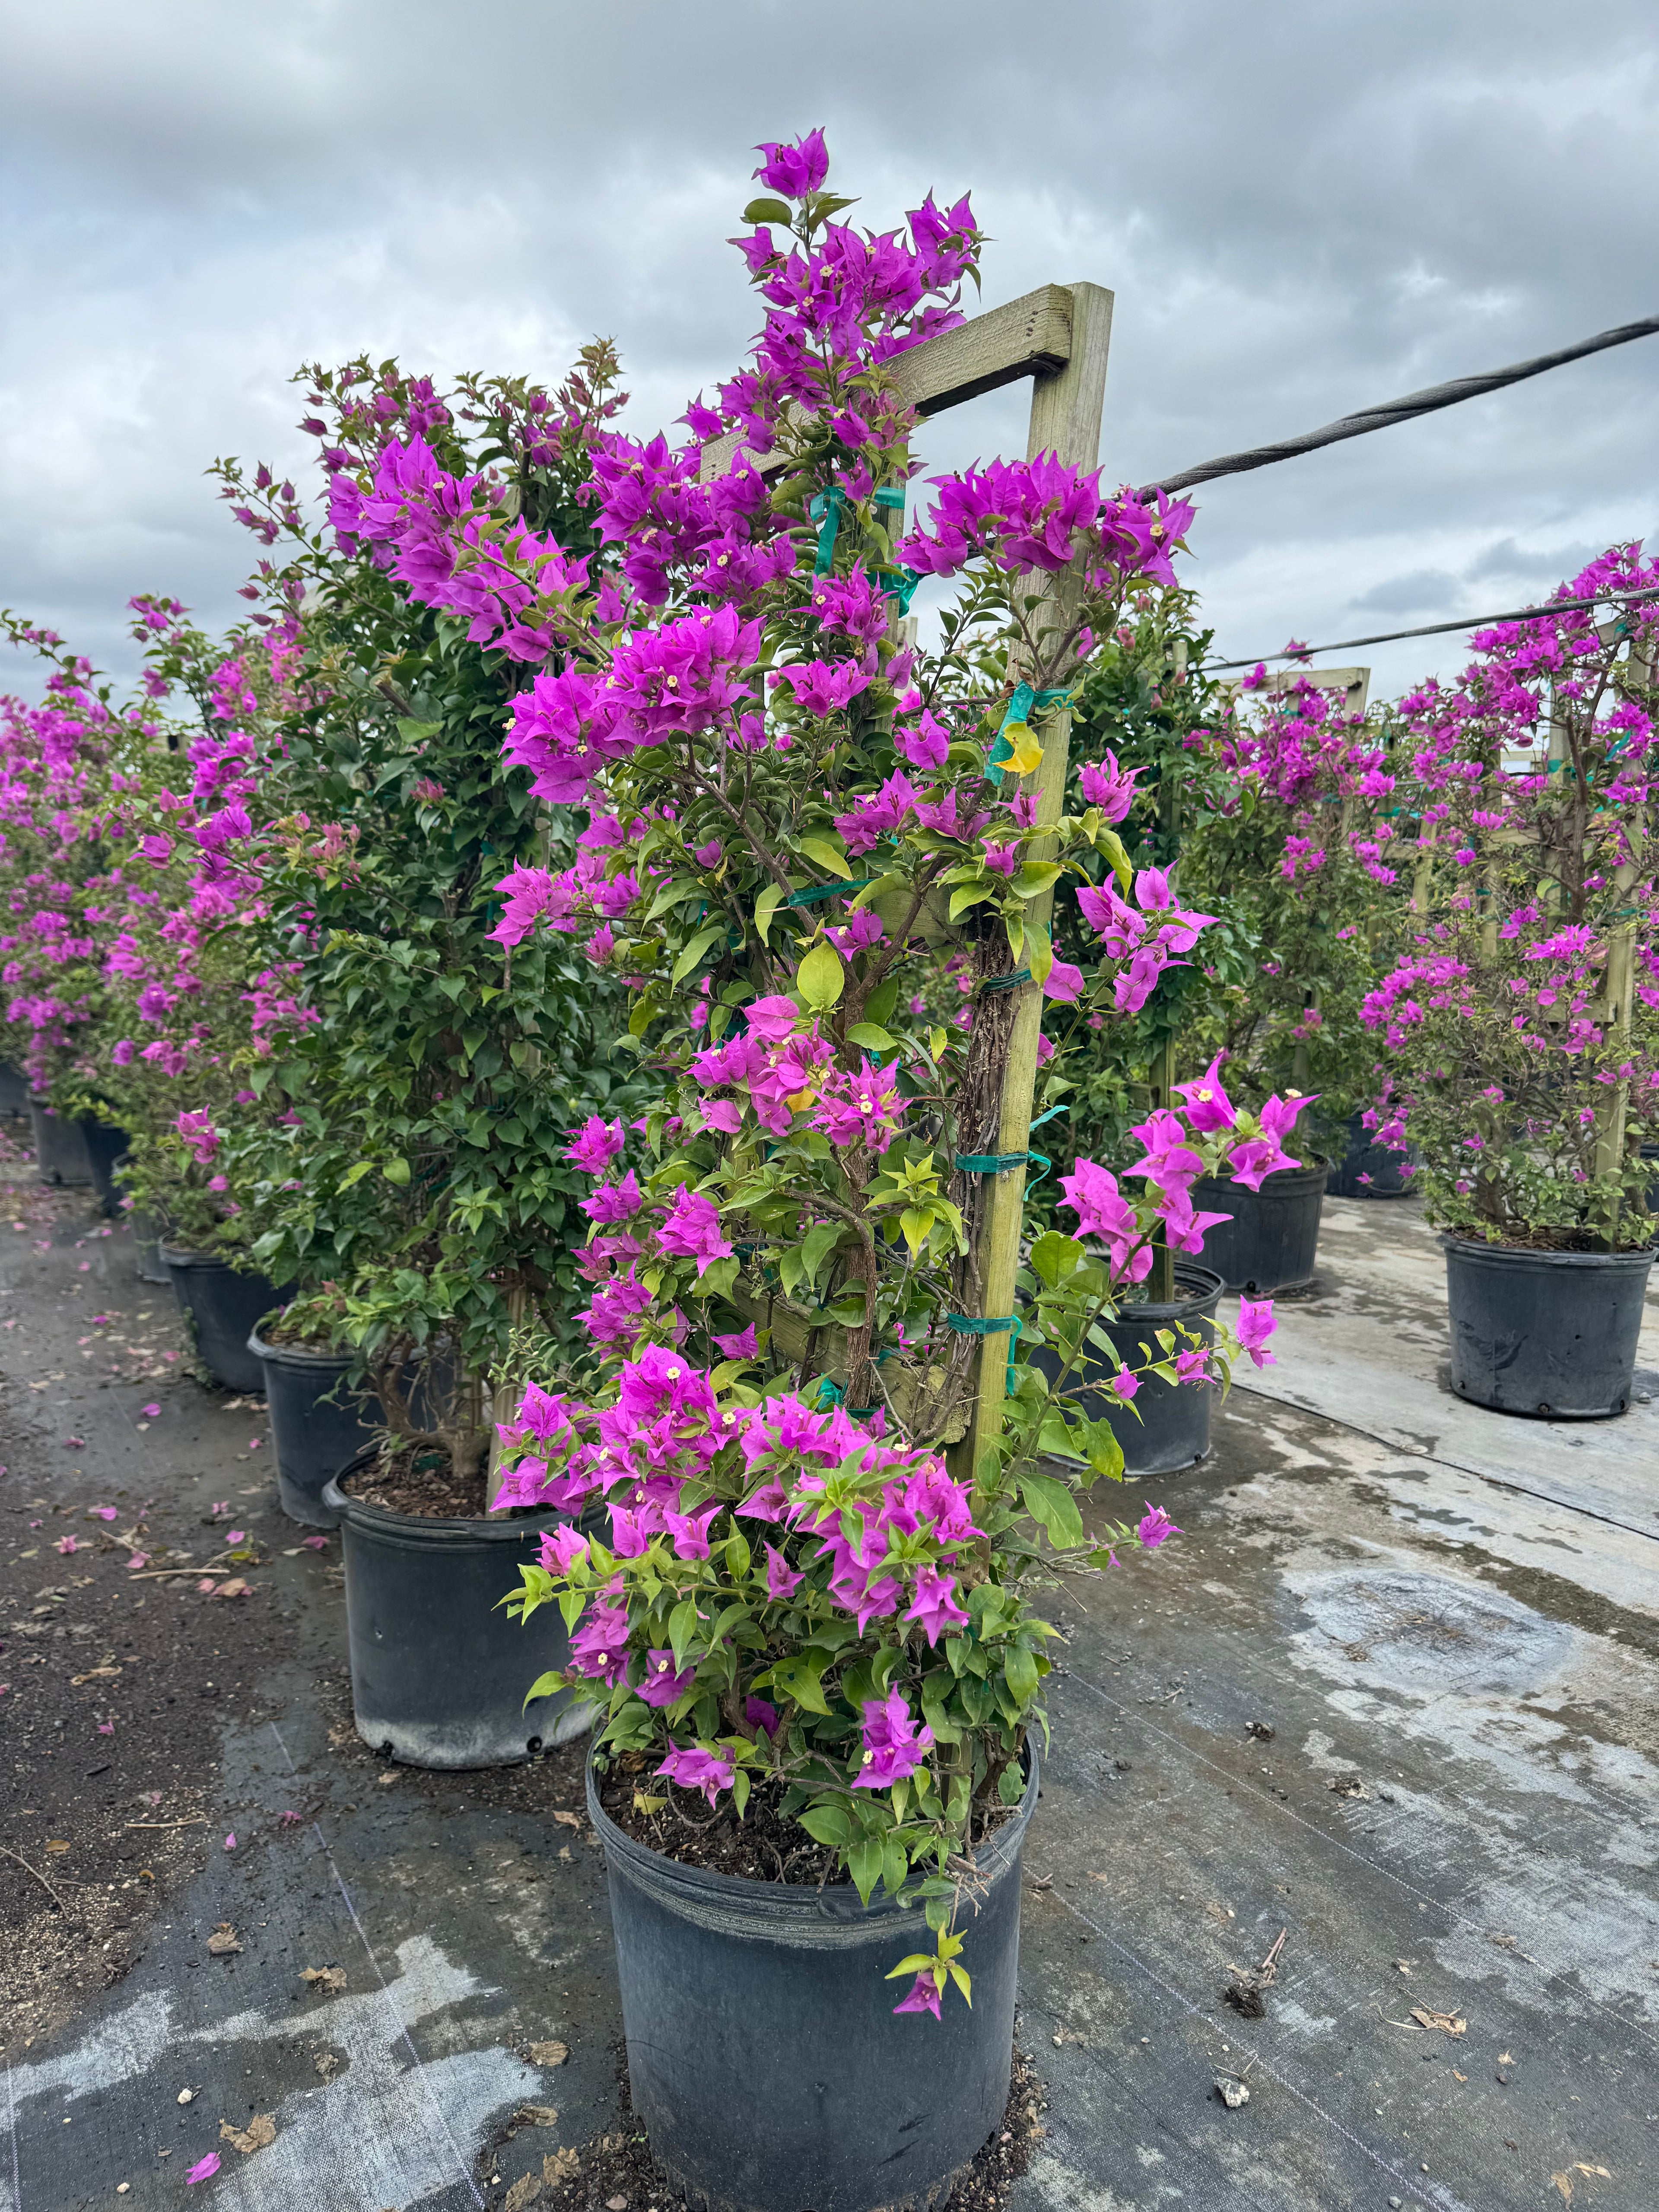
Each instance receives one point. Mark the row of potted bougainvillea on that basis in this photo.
(549, 987)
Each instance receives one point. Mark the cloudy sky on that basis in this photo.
(1301, 209)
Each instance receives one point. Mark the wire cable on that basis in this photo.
(1390, 411)
(1440, 629)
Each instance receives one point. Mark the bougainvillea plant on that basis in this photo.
(1308, 840)
(789, 814)
(1519, 1029)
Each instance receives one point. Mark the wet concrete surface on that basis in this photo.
(1454, 1815)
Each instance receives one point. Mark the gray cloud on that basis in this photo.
(1300, 210)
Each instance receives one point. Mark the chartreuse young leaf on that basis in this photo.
(767, 905)
(821, 978)
(826, 854)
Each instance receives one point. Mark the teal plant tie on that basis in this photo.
(814, 892)
(1021, 706)
(829, 1396)
(825, 508)
(965, 1325)
(1005, 982)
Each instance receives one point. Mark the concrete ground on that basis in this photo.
(1443, 1628)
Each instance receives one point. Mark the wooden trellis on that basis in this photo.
(1059, 336)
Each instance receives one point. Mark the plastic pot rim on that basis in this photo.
(186, 1256)
(427, 1531)
(1480, 1254)
(1286, 1181)
(789, 1912)
(294, 1355)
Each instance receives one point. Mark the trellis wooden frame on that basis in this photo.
(1059, 336)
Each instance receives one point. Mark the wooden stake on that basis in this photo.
(1066, 415)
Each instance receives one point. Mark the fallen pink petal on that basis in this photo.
(106, 1512)
(151, 1412)
(203, 2170)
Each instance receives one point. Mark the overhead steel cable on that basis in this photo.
(1441, 630)
(1390, 411)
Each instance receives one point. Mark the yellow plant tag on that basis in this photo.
(1025, 752)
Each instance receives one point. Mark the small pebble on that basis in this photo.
(1394, 2203)
(122, 2187)
(185, 2096)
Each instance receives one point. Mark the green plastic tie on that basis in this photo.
(825, 508)
(1005, 982)
(965, 1325)
(816, 892)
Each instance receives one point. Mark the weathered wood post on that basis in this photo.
(1059, 335)
(1067, 407)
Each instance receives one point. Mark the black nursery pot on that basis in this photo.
(106, 1147)
(1173, 1427)
(439, 1673)
(147, 1249)
(1386, 1172)
(318, 1425)
(222, 1304)
(1271, 1242)
(14, 1090)
(60, 1146)
(764, 2056)
(1549, 1333)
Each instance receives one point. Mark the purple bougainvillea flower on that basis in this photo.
(315, 1543)
(924, 1995)
(793, 170)
(740, 1346)
(1155, 1528)
(698, 1770)
(67, 1544)
(594, 1145)
(935, 1604)
(1123, 1385)
(781, 1580)
(761, 1715)
(659, 1685)
(561, 1549)
(691, 1230)
(893, 1747)
(1256, 1323)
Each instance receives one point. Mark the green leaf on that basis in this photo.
(895, 1867)
(737, 1556)
(1054, 1257)
(819, 1243)
(355, 1174)
(800, 1679)
(396, 1171)
(1051, 1503)
(827, 1820)
(864, 1863)
(1019, 1668)
(740, 1791)
(681, 1627)
(714, 934)
(827, 856)
(543, 1686)
(765, 209)
(1036, 876)
(821, 978)
(767, 905)
(871, 1037)
(879, 1007)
